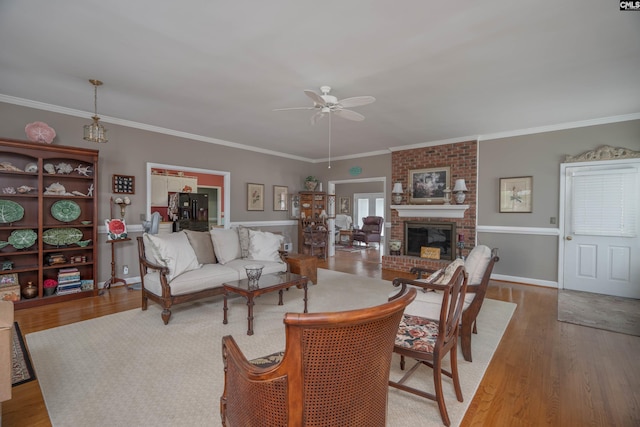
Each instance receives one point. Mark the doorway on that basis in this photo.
(600, 229)
(213, 194)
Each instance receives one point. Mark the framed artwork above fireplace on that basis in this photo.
(428, 185)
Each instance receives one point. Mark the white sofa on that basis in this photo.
(189, 265)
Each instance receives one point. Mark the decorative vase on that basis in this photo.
(310, 185)
(49, 291)
(30, 291)
(394, 247)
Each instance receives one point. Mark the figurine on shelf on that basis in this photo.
(90, 191)
(84, 170)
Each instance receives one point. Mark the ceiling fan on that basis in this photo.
(329, 104)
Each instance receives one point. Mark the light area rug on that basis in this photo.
(129, 369)
(599, 311)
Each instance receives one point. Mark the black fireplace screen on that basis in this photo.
(439, 235)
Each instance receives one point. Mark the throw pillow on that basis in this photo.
(476, 263)
(243, 235)
(202, 246)
(448, 272)
(264, 246)
(225, 244)
(174, 252)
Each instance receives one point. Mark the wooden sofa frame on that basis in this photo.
(166, 300)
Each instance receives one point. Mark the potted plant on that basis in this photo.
(50, 286)
(310, 183)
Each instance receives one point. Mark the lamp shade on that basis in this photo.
(397, 188)
(460, 185)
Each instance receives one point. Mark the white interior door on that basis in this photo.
(601, 228)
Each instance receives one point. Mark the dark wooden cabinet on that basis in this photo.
(47, 193)
(316, 208)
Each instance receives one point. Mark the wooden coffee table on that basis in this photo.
(266, 283)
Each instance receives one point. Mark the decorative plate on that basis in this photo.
(65, 210)
(40, 132)
(10, 211)
(21, 239)
(61, 236)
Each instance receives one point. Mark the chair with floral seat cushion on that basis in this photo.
(334, 371)
(479, 266)
(371, 230)
(428, 341)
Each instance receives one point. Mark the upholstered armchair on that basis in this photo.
(334, 371)
(371, 230)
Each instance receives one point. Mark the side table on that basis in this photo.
(345, 233)
(305, 265)
(113, 278)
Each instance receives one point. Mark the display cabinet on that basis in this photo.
(48, 220)
(316, 207)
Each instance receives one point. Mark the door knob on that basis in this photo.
(569, 238)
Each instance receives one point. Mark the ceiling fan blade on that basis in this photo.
(316, 98)
(294, 108)
(317, 117)
(356, 101)
(349, 115)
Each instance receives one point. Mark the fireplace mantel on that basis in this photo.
(430, 211)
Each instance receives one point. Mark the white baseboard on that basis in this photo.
(525, 280)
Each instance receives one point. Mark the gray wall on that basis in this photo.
(539, 155)
(531, 257)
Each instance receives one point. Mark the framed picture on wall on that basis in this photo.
(516, 194)
(255, 197)
(345, 205)
(280, 196)
(428, 185)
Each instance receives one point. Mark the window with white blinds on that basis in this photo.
(605, 202)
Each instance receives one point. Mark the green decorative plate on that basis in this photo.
(10, 211)
(65, 210)
(21, 239)
(3, 244)
(61, 236)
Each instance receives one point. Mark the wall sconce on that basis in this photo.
(397, 193)
(123, 203)
(460, 188)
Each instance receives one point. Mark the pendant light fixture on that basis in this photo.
(95, 132)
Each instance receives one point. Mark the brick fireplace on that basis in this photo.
(461, 157)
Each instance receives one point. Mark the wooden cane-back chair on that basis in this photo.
(334, 372)
(428, 341)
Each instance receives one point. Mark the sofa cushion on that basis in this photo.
(209, 276)
(264, 246)
(243, 236)
(476, 263)
(174, 252)
(226, 244)
(270, 267)
(202, 245)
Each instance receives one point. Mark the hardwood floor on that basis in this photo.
(544, 372)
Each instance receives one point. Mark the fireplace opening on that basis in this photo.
(439, 235)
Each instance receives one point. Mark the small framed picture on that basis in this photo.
(280, 197)
(124, 184)
(10, 279)
(428, 185)
(516, 194)
(345, 205)
(255, 197)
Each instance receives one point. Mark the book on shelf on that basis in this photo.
(68, 291)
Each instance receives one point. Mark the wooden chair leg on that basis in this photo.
(437, 381)
(454, 373)
(465, 340)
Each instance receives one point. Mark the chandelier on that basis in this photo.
(95, 132)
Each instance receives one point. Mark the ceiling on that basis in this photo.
(216, 70)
